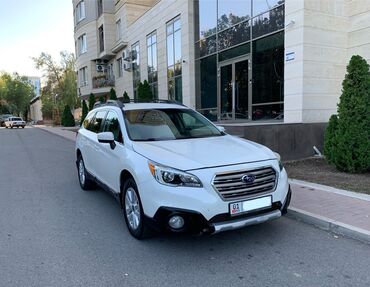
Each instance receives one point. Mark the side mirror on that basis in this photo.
(221, 129)
(107, 137)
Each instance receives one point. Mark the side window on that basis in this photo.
(87, 120)
(97, 122)
(111, 124)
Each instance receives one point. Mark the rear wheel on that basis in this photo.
(133, 210)
(85, 182)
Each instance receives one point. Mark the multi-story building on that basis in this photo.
(271, 70)
(35, 113)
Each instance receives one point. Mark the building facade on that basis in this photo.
(35, 113)
(239, 62)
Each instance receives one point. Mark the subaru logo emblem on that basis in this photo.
(248, 178)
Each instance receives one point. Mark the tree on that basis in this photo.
(144, 91)
(85, 111)
(126, 98)
(330, 138)
(67, 117)
(91, 101)
(113, 95)
(15, 93)
(61, 79)
(102, 99)
(348, 140)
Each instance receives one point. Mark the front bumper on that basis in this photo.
(196, 223)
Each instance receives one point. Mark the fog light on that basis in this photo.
(176, 222)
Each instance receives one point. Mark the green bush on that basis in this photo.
(126, 98)
(85, 111)
(91, 101)
(67, 118)
(112, 94)
(144, 92)
(102, 99)
(330, 138)
(347, 139)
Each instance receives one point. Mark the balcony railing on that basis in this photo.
(103, 81)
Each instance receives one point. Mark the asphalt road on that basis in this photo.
(54, 234)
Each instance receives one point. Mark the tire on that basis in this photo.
(85, 182)
(133, 210)
(22, 127)
(11, 127)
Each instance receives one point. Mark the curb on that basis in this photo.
(329, 224)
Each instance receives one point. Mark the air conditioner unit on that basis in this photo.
(100, 68)
(127, 66)
(126, 55)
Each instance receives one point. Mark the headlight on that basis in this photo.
(278, 157)
(173, 177)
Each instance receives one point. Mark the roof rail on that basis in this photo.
(116, 103)
(162, 101)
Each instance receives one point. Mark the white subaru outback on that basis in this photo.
(172, 169)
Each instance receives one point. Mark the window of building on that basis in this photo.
(232, 12)
(101, 38)
(110, 72)
(135, 51)
(82, 46)
(80, 11)
(100, 7)
(151, 41)
(119, 67)
(248, 34)
(174, 66)
(268, 77)
(263, 6)
(118, 30)
(83, 76)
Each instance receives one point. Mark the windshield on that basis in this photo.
(167, 124)
(16, 119)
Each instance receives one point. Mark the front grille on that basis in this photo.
(230, 185)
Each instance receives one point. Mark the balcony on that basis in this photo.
(103, 81)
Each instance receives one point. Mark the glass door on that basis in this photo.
(234, 87)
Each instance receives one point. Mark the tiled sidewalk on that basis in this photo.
(340, 209)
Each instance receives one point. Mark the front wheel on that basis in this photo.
(85, 182)
(133, 210)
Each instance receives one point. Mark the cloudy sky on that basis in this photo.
(29, 27)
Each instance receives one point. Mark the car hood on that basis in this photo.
(188, 154)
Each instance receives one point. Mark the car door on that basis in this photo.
(93, 157)
(112, 159)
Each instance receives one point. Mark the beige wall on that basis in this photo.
(35, 111)
(326, 33)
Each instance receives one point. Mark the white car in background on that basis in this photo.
(172, 169)
(15, 122)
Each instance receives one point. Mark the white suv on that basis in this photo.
(172, 169)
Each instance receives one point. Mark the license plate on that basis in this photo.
(250, 205)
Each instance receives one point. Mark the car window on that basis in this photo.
(96, 124)
(167, 124)
(16, 119)
(111, 124)
(88, 121)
